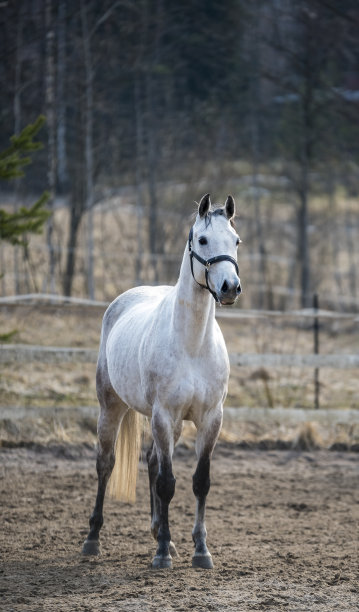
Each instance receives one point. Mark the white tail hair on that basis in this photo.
(122, 484)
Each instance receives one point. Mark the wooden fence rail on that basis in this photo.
(285, 360)
(23, 353)
(45, 299)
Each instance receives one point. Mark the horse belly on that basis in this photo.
(123, 364)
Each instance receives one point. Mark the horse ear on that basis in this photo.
(230, 207)
(204, 205)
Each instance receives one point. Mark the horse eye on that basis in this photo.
(237, 241)
(203, 240)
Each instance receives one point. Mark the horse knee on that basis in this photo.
(201, 480)
(165, 486)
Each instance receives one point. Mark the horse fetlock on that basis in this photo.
(154, 530)
(96, 522)
(162, 562)
(199, 533)
(199, 536)
(163, 540)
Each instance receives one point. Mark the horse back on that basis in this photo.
(132, 299)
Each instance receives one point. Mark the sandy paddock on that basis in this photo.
(282, 529)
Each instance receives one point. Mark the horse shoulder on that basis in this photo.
(219, 353)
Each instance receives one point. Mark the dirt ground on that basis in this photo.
(282, 529)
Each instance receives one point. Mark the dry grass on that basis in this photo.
(77, 427)
(39, 384)
(58, 393)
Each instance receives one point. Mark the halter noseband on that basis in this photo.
(207, 263)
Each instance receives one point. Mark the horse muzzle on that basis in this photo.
(229, 292)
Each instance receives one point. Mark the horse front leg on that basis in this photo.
(162, 483)
(207, 435)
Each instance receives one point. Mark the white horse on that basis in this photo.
(162, 355)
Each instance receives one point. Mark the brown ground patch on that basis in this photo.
(282, 529)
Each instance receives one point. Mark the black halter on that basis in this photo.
(207, 263)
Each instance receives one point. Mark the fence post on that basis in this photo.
(316, 349)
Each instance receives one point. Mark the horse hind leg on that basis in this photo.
(112, 412)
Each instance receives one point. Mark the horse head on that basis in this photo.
(213, 243)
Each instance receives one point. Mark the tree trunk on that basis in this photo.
(352, 270)
(62, 177)
(153, 151)
(139, 178)
(306, 158)
(71, 252)
(303, 249)
(264, 298)
(17, 128)
(88, 151)
(51, 139)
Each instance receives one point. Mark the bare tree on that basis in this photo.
(51, 138)
(88, 149)
(17, 127)
(139, 177)
(62, 173)
(265, 298)
(302, 39)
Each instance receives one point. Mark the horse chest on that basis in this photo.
(164, 368)
(209, 382)
(182, 383)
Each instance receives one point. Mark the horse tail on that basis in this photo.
(122, 484)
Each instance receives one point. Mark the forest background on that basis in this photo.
(150, 104)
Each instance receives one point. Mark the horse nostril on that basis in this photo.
(224, 287)
(239, 289)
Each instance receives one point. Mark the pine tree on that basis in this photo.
(14, 226)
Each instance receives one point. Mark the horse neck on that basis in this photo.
(194, 310)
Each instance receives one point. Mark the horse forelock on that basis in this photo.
(216, 211)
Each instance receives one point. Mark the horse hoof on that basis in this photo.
(162, 562)
(173, 550)
(91, 547)
(202, 561)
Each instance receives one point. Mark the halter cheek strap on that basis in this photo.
(207, 263)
